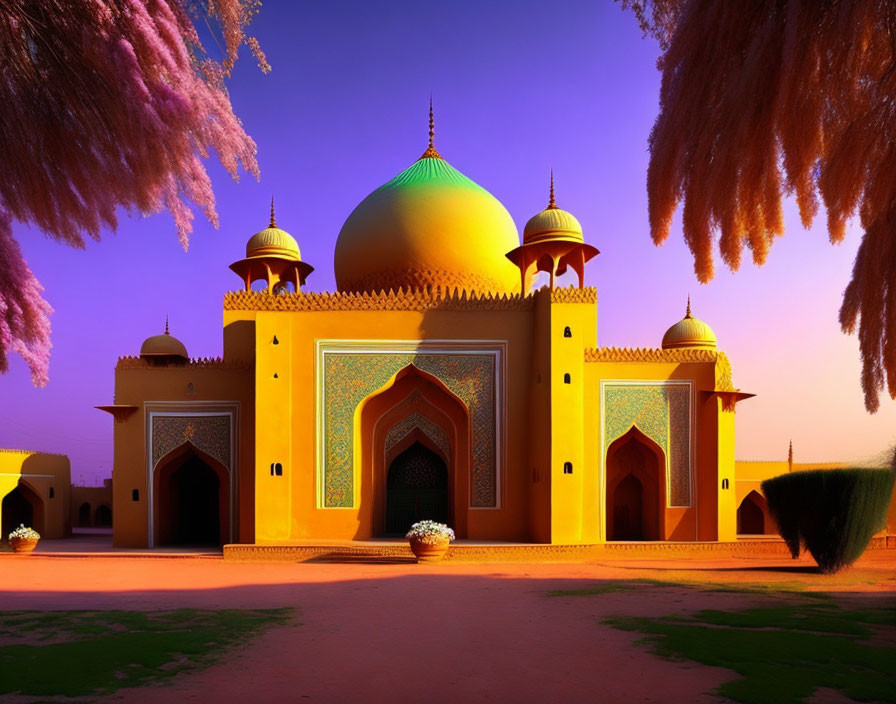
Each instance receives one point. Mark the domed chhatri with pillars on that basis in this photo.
(435, 383)
(272, 256)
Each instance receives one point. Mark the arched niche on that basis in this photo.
(191, 492)
(753, 517)
(22, 505)
(635, 488)
(411, 392)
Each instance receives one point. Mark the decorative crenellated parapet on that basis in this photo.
(430, 298)
(651, 354)
(573, 294)
(130, 362)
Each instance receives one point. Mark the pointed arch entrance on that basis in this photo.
(22, 506)
(635, 488)
(191, 492)
(751, 515)
(414, 436)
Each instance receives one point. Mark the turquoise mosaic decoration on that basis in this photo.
(662, 412)
(348, 377)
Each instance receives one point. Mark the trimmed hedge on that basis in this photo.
(830, 512)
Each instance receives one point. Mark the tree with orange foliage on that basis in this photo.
(107, 104)
(769, 98)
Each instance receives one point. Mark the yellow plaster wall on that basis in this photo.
(294, 391)
(40, 472)
(680, 523)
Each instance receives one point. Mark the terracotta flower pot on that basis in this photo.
(23, 545)
(429, 552)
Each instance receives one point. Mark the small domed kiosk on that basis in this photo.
(272, 256)
(690, 332)
(164, 349)
(552, 242)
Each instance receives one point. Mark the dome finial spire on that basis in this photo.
(431, 152)
(687, 312)
(552, 204)
(166, 325)
(273, 222)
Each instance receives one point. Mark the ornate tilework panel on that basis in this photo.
(349, 377)
(662, 413)
(408, 424)
(211, 434)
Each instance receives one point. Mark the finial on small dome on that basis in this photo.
(687, 313)
(790, 456)
(552, 204)
(166, 326)
(431, 152)
(273, 222)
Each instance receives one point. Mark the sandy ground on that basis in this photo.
(401, 632)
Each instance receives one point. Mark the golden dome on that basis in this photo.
(552, 223)
(689, 332)
(428, 226)
(164, 345)
(273, 242)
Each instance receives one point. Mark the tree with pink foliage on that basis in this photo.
(771, 98)
(107, 104)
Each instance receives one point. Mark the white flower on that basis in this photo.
(23, 532)
(430, 532)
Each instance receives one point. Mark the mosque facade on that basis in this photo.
(434, 383)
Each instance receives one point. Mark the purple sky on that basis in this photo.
(519, 88)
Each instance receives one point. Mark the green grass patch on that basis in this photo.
(783, 654)
(78, 653)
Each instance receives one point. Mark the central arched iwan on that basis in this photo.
(635, 488)
(411, 391)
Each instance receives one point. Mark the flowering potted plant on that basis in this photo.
(24, 539)
(429, 540)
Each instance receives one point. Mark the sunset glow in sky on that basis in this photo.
(519, 88)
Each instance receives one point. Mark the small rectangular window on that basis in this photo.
(52, 493)
(567, 332)
(567, 467)
(276, 469)
(567, 379)
(135, 495)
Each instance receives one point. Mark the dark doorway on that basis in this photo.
(18, 509)
(189, 505)
(628, 502)
(84, 515)
(103, 516)
(635, 488)
(416, 490)
(750, 518)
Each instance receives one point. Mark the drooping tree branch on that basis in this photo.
(774, 98)
(107, 104)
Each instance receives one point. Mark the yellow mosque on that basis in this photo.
(434, 383)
